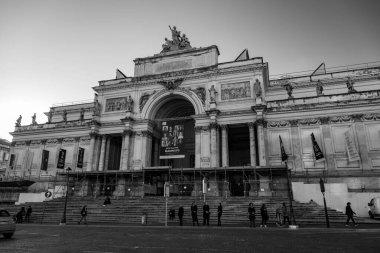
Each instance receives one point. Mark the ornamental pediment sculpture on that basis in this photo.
(171, 84)
(178, 42)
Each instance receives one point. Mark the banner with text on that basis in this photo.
(61, 158)
(172, 140)
(80, 158)
(352, 152)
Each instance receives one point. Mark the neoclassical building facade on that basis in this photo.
(184, 117)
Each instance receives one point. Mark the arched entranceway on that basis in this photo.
(175, 144)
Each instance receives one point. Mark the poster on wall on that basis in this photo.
(80, 158)
(352, 152)
(61, 158)
(172, 140)
(45, 160)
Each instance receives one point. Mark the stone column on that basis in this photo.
(214, 162)
(362, 142)
(75, 153)
(91, 152)
(327, 140)
(96, 154)
(107, 153)
(297, 151)
(156, 151)
(144, 151)
(102, 152)
(261, 139)
(252, 143)
(198, 130)
(225, 158)
(125, 150)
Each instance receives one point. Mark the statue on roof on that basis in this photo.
(34, 122)
(350, 85)
(18, 121)
(178, 42)
(319, 88)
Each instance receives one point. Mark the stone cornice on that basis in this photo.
(194, 74)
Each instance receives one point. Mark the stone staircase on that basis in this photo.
(129, 210)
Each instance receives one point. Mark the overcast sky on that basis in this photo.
(56, 51)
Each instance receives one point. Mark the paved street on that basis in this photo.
(94, 238)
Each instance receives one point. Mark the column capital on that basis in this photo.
(293, 123)
(251, 125)
(324, 120)
(213, 125)
(93, 134)
(198, 128)
(261, 122)
(224, 126)
(357, 117)
(127, 132)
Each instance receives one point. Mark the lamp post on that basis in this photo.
(63, 221)
(290, 193)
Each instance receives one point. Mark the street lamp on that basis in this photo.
(63, 221)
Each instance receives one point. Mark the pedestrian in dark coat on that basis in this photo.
(264, 216)
(206, 214)
(350, 214)
(251, 215)
(83, 213)
(220, 212)
(180, 215)
(28, 213)
(20, 215)
(194, 213)
(285, 214)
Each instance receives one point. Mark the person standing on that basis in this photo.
(350, 215)
(180, 215)
(84, 215)
(206, 214)
(264, 216)
(251, 215)
(220, 212)
(194, 213)
(279, 216)
(28, 214)
(285, 214)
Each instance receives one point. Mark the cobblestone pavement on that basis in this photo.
(103, 238)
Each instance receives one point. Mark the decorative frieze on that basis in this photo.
(85, 139)
(309, 122)
(236, 90)
(20, 143)
(276, 124)
(118, 104)
(68, 140)
(52, 141)
(371, 116)
(36, 142)
(341, 119)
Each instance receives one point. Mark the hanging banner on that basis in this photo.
(284, 156)
(61, 159)
(12, 161)
(352, 152)
(317, 150)
(45, 159)
(172, 140)
(80, 158)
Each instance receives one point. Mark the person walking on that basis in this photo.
(180, 215)
(20, 215)
(264, 216)
(28, 214)
(206, 214)
(350, 215)
(220, 212)
(194, 213)
(279, 216)
(251, 215)
(84, 215)
(285, 214)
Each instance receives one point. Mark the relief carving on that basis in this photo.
(278, 123)
(143, 99)
(309, 122)
(341, 119)
(119, 104)
(171, 84)
(371, 116)
(201, 93)
(236, 90)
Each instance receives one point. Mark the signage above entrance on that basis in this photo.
(171, 146)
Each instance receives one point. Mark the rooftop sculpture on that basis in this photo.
(178, 42)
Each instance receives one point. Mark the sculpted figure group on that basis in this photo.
(177, 42)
